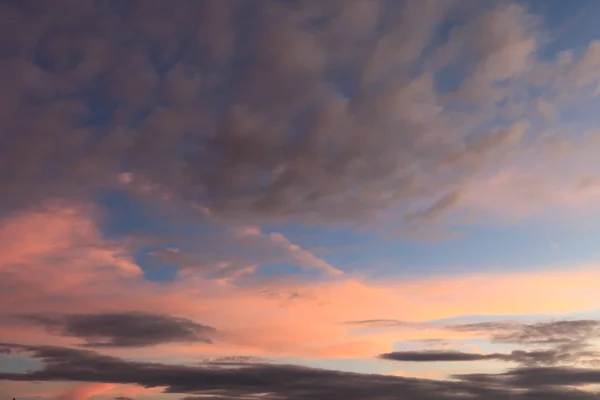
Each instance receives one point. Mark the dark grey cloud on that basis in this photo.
(288, 381)
(438, 356)
(566, 342)
(538, 377)
(554, 343)
(561, 332)
(558, 332)
(549, 357)
(265, 109)
(127, 329)
(552, 357)
(208, 398)
(550, 343)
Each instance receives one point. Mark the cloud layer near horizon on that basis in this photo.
(106, 303)
(183, 185)
(287, 381)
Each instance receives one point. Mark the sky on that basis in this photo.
(299, 199)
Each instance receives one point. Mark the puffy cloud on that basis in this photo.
(58, 237)
(271, 110)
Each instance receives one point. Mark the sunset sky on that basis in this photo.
(299, 199)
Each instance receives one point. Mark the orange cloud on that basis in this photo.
(86, 390)
(127, 390)
(58, 262)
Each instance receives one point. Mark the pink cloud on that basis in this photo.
(86, 390)
(552, 178)
(73, 269)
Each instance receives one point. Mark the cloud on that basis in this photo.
(283, 381)
(267, 317)
(383, 323)
(437, 356)
(85, 391)
(133, 329)
(569, 341)
(502, 41)
(547, 332)
(539, 377)
(528, 358)
(410, 114)
(59, 235)
(230, 361)
(555, 343)
(232, 253)
(258, 112)
(554, 357)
